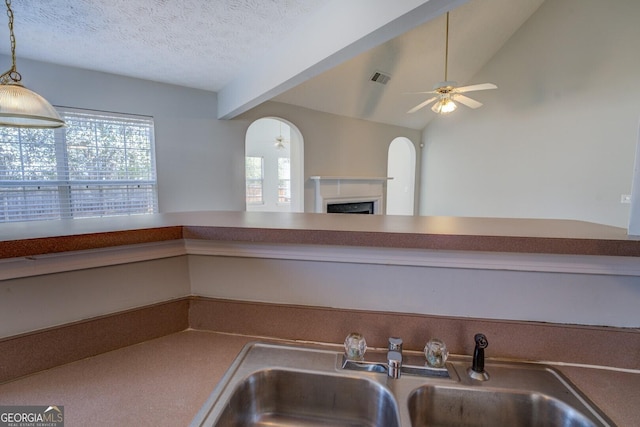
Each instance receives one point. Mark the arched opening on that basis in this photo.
(401, 166)
(274, 166)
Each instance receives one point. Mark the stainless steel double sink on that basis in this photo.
(283, 385)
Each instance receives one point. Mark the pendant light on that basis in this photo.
(19, 106)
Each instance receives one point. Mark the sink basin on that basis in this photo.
(445, 406)
(275, 397)
(285, 385)
(517, 394)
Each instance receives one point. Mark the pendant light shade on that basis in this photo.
(19, 106)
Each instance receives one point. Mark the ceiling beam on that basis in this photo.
(338, 32)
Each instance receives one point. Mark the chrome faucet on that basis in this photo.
(394, 367)
(394, 358)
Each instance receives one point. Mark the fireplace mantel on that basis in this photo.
(349, 189)
(350, 178)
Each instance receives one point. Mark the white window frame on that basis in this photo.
(69, 197)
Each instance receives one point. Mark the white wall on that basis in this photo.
(560, 289)
(557, 138)
(557, 297)
(38, 302)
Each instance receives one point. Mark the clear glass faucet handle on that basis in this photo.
(355, 346)
(436, 353)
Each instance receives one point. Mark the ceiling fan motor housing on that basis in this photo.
(445, 87)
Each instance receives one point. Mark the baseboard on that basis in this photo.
(28, 353)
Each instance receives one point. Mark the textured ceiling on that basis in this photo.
(195, 43)
(205, 44)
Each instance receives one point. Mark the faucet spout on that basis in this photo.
(394, 364)
(394, 357)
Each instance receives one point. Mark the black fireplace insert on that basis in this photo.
(351, 208)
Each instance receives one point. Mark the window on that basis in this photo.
(284, 180)
(100, 164)
(254, 175)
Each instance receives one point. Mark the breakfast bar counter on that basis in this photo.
(512, 235)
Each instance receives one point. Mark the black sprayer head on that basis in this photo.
(478, 353)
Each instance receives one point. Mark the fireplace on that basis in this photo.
(363, 195)
(351, 208)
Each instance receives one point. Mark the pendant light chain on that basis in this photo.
(13, 73)
(19, 106)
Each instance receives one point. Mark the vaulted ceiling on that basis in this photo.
(415, 61)
(314, 54)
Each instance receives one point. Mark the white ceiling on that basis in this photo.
(207, 44)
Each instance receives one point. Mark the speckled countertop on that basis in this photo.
(165, 381)
(441, 233)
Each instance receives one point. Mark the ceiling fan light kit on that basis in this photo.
(444, 106)
(447, 92)
(280, 141)
(279, 144)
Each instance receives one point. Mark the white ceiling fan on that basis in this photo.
(447, 93)
(280, 140)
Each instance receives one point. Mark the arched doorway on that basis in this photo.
(274, 166)
(401, 166)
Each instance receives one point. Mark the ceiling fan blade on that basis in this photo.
(481, 86)
(422, 105)
(418, 93)
(465, 100)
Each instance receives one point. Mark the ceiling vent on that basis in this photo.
(380, 77)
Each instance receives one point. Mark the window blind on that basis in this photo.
(100, 164)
